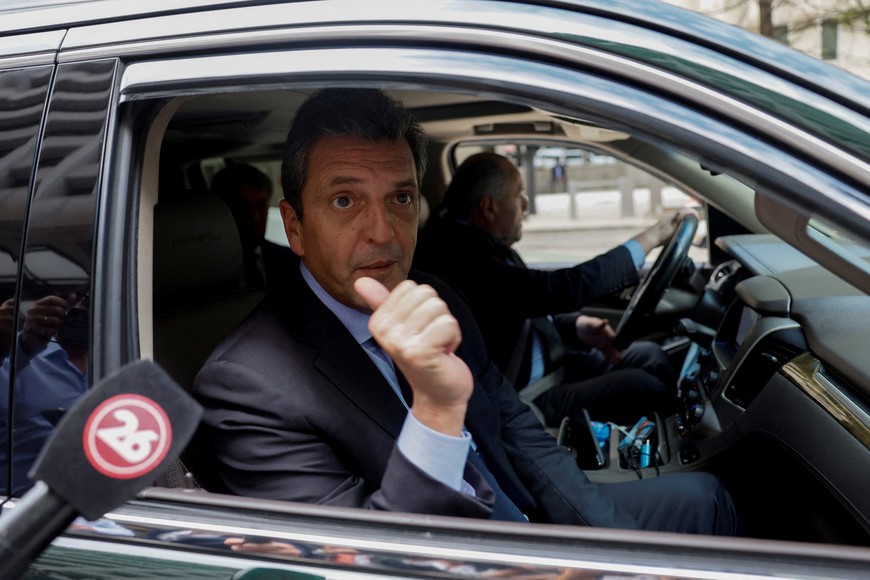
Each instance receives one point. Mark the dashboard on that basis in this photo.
(778, 401)
(786, 305)
(775, 393)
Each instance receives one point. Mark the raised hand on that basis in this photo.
(42, 321)
(661, 231)
(415, 327)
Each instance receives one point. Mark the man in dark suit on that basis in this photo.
(247, 191)
(368, 388)
(467, 242)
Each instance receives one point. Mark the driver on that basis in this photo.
(468, 243)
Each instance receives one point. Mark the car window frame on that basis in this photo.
(146, 80)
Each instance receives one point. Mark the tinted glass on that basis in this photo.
(51, 366)
(22, 102)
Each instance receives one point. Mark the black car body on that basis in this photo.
(108, 110)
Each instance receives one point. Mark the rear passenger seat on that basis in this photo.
(199, 296)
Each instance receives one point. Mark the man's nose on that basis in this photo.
(525, 203)
(379, 223)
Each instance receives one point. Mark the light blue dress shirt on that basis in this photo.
(638, 256)
(46, 385)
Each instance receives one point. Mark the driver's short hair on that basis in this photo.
(481, 175)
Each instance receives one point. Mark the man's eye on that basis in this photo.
(404, 198)
(342, 202)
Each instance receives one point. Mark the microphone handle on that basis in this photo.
(38, 517)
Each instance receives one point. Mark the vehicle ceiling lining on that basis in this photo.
(255, 123)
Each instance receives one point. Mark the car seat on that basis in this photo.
(199, 295)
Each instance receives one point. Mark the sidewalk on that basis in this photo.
(593, 210)
(549, 222)
(552, 237)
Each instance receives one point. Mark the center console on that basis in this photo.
(722, 374)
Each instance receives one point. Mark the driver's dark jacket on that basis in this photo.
(502, 292)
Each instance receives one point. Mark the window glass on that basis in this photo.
(22, 102)
(583, 202)
(51, 362)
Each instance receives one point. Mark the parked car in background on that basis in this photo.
(115, 115)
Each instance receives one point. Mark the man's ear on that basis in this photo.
(292, 227)
(486, 208)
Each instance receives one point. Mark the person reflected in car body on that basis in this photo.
(51, 374)
(468, 242)
(7, 310)
(309, 398)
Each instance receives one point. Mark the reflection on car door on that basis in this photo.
(22, 104)
(48, 370)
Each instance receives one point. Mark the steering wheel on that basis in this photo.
(652, 288)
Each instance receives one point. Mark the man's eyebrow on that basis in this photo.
(350, 180)
(412, 183)
(344, 180)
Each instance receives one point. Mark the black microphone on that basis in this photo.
(117, 439)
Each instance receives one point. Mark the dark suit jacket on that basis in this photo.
(502, 292)
(272, 271)
(277, 261)
(294, 409)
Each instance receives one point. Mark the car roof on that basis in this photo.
(19, 16)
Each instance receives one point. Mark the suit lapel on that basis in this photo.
(341, 360)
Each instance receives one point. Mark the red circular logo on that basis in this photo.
(127, 436)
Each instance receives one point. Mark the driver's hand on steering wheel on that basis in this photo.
(597, 333)
(661, 231)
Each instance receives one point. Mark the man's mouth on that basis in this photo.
(379, 266)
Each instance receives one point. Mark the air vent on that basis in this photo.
(779, 351)
(761, 363)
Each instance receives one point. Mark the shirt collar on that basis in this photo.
(356, 322)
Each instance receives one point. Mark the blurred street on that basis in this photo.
(553, 237)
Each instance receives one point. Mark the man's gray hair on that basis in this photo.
(481, 175)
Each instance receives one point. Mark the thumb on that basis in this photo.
(373, 292)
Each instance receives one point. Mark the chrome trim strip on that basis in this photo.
(551, 50)
(28, 60)
(450, 23)
(509, 41)
(29, 49)
(68, 14)
(403, 558)
(805, 371)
